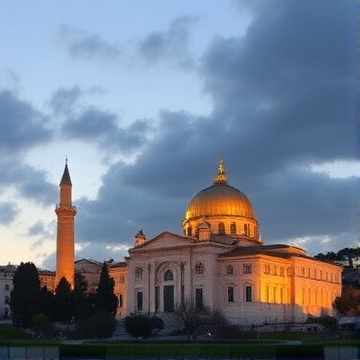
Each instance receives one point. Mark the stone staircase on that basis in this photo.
(120, 331)
(172, 322)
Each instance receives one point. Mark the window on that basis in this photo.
(120, 300)
(199, 268)
(233, 228)
(189, 231)
(199, 304)
(121, 279)
(221, 228)
(7, 287)
(245, 229)
(274, 294)
(229, 269)
(247, 269)
(157, 298)
(282, 271)
(267, 269)
(139, 273)
(168, 276)
(230, 294)
(248, 293)
(139, 301)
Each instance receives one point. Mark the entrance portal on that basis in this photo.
(169, 298)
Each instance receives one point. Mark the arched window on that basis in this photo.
(168, 276)
(233, 228)
(221, 228)
(199, 268)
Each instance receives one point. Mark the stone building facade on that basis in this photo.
(220, 262)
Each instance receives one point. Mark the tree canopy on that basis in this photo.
(25, 295)
(106, 300)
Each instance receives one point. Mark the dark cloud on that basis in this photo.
(283, 98)
(170, 44)
(8, 212)
(36, 229)
(102, 128)
(287, 83)
(91, 124)
(63, 101)
(29, 182)
(22, 126)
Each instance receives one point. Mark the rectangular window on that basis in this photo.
(157, 298)
(7, 287)
(247, 269)
(199, 304)
(229, 269)
(267, 269)
(248, 293)
(120, 300)
(121, 279)
(230, 294)
(139, 299)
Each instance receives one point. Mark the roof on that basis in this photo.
(278, 250)
(66, 176)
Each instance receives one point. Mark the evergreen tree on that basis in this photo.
(347, 303)
(25, 295)
(81, 301)
(46, 299)
(106, 300)
(63, 307)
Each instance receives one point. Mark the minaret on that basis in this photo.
(65, 244)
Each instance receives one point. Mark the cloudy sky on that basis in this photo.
(143, 97)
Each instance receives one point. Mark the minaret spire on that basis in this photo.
(65, 244)
(221, 177)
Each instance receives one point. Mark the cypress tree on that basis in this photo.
(106, 300)
(25, 295)
(63, 309)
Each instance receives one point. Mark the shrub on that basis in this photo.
(328, 322)
(99, 325)
(39, 323)
(142, 325)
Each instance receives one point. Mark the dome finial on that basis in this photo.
(221, 177)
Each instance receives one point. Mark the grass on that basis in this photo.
(260, 345)
(8, 332)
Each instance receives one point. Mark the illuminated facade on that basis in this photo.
(221, 262)
(65, 239)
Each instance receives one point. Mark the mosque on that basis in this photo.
(219, 261)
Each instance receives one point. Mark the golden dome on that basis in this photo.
(224, 207)
(219, 200)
